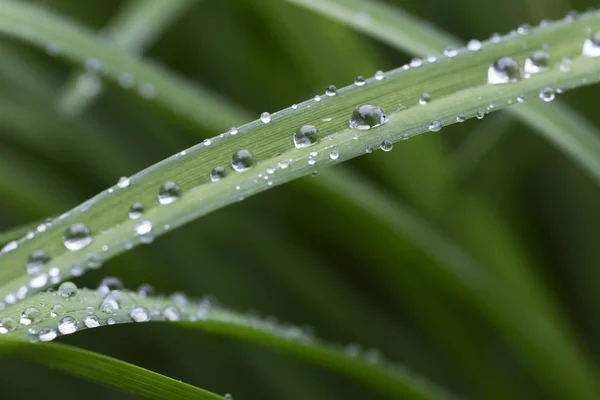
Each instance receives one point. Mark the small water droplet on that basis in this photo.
(474, 45)
(109, 284)
(29, 316)
(77, 236)
(450, 52)
(331, 91)
(305, 136)
(147, 91)
(67, 325)
(317, 98)
(366, 117)
(36, 261)
(123, 182)
(126, 80)
(537, 62)
(136, 210)
(168, 193)
(91, 321)
(334, 154)
(547, 94)
(37, 281)
(139, 314)
(435, 126)
(53, 49)
(88, 84)
(379, 75)
(424, 99)
(242, 160)
(10, 246)
(265, 117)
(360, 81)
(461, 118)
(217, 174)
(171, 314)
(57, 310)
(416, 62)
(233, 131)
(67, 290)
(504, 70)
(524, 29)
(7, 325)
(46, 335)
(207, 142)
(479, 115)
(386, 145)
(591, 46)
(143, 228)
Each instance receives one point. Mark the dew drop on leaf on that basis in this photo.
(504, 70)
(435, 126)
(547, 94)
(36, 261)
(77, 236)
(46, 335)
(366, 117)
(136, 210)
(139, 314)
(168, 193)
(217, 174)
(386, 145)
(242, 160)
(305, 136)
(591, 46)
(67, 325)
(537, 62)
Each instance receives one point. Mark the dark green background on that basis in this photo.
(295, 252)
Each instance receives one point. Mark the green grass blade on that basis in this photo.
(134, 28)
(558, 124)
(152, 82)
(387, 378)
(102, 369)
(16, 233)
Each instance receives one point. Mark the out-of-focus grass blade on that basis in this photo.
(134, 28)
(559, 124)
(102, 369)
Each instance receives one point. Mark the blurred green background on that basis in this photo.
(300, 253)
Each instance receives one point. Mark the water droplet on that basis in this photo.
(474, 45)
(479, 115)
(451, 51)
(386, 145)
(77, 236)
(126, 80)
(359, 81)
(379, 75)
(168, 193)
(88, 84)
(109, 284)
(147, 91)
(334, 154)
(461, 118)
(38, 281)
(123, 182)
(67, 290)
(91, 321)
(67, 325)
(435, 126)
(47, 335)
(29, 316)
(265, 117)
(171, 314)
(136, 210)
(523, 29)
(504, 70)
(317, 98)
(424, 99)
(331, 91)
(294, 106)
(207, 142)
(143, 228)
(305, 136)
(92, 64)
(139, 314)
(217, 174)
(36, 261)
(10, 246)
(233, 131)
(366, 117)
(591, 46)
(547, 94)
(416, 62)
(7, 325)
(94, 261)
(537, 62)
(242, 160)
(57, 310)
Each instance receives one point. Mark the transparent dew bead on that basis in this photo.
(136, 210)
(145, 290)
(67, 325)
(91, 321)
(386, 145)
(228, 396)
(379, 75)
(46, 335)
(57, 310)
(435, 126)
(479, 115)
(233, 131)
(124, 182)
(359, 81)
(474, 45)
(334, 155)
(547, 94)
(168, 193)
(7, 325)
(331, 91)
(265, 117)
(30, 316)
(591, 46)
(77, 236)
(242, 160)
(139, 314)
(461, 118)
(38, 281)
(217, 174)
(366, 117)
(450, 52)
(109, 284)
(36, 261)
(537, 62)
(306, 136)
(10, 246)
(67, 290)
(424, 99)
(171, 314)
(504, 70)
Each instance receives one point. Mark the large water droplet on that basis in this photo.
(473, 45)
(305, 136)
(366, 117)
(36, 261)
(139, 314)
(47, 335)
(67, 290)
(591, 46)
(537, 62)
(10, 246)
(91, 321)
(171, 314)
(168, 193)
(547, 94)
(334, 154)
(77, 236)
(67, 325)
(504, 70)
(136, 211)
(217, 174)
(386, 145)
(29, 316)
(57, 310)
(242, 160)
(359, 81)
(7, 325)
(435, 126)
(331, 91)
(265, 117)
